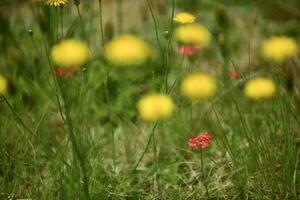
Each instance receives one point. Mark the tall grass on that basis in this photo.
(80, 137)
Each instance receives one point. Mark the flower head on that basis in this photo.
(203, 140)
(196, 34)
(155, 106)
(234, 74)
(184, 18)
(65, 72)
(3, 85)
(189, 50)
(279, 48)
(198, 86)
(127, 50)
(260, 88)
(54, 2)
(69, 53)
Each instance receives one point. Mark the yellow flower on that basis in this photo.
(127, 50)
(195, 34)
(260, 88)
(155, 106)
(70, 53)
(3, 85)
(279, 48)
(54, 2)
(184, 18)
(198, 86)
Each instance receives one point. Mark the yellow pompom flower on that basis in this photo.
(70, 53)
(54, 2)
(155, 106)
(127, 50)
(3, 85)
(195, 34)
(260, 88)
(279, 48)
(198, 86)
(184, 18)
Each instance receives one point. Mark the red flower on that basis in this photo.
(65, 72)
(188, 50)
(203, 140)
(234, 74)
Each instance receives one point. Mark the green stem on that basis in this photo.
(110, 112)
(57, 22)
(178, 76)
(168, 47)
(17, 116)
(79, 14)
(155, 23)
(146, 148)
(226, 143)
(61, 21)
(101, 23)
(155, 163)
(119, 16)
(55, 81)
(82, 25)
(78, 154)
(203, 174)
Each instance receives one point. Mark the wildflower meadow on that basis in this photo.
(149, 99)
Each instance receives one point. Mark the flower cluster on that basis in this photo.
(155, 106)
(69, 53)
(189, 50)
(65, 72)
(260, 88)
(3, 85)
(54, 2)
(202, 140)
(193, 34)
(234, 74)
(184, 18)
(198, 86)
(279, 48)
(127, 50)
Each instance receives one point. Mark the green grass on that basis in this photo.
(92, 152)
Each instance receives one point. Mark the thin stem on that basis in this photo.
(146, 148)
(155, 23)
(61, 21)
(110, 112)
(155, 162)
(79, 14)
(79, 154)
(82, 25)
(168, 47)
(57, 24)
(203, 174)
(55, 82)
(17, 115)
(178, 76)
(119, 16)
(70, 126)
(224, 133)
(101, 23)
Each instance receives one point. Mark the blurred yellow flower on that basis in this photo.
(198, 86)
(127, 50)
(54, 2)
(279, 48)
(260, 88)
(184, 18)
(155, 106)
(3, 85)
(70, 53)
(195, 34)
